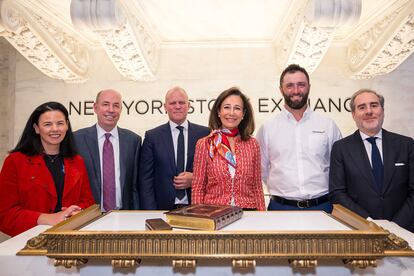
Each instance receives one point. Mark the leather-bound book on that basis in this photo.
(203, 216)
(156, 224)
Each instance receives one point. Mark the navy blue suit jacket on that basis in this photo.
(86, 140)
(352, 184)
(158, 168)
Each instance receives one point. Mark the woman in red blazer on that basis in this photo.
(227, 162)
(43, 180)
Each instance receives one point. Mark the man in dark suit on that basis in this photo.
(126, 147)
(163, 186)
(372, 170)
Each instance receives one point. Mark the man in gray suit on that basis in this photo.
(125, 145)
(372, 170)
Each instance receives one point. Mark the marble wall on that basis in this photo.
(7, 76)
(204, 73)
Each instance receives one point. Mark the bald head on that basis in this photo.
(176, 105)
(105, 91)
(176, 89)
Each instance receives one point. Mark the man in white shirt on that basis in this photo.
(295, 149)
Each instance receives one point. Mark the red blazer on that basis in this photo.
(27, 190)
(212, 181)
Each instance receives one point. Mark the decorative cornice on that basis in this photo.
(310, 45)
(384, 46)
(127, 57)
(309, 36)
(128, 44)
(50, 49)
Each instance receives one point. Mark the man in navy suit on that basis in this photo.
(126, 148)
(372, 170)
(162, 186)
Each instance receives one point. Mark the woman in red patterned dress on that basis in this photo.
(227, 161)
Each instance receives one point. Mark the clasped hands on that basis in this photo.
(183, 180)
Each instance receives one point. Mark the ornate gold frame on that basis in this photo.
(360, 247)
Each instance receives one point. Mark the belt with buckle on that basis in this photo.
(307, 203)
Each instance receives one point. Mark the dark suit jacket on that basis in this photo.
(352, 184)
(157, 165)
(28, 190)
(86, 140)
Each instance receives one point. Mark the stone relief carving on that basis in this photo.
(69, 44)
(47, 47)
(125, 54)
(380, 49)
(310, 34)
(131, 49)
(311, 46)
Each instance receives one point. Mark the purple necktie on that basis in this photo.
(108, 172)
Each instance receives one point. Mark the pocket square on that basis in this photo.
(399, 164)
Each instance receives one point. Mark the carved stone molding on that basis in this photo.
(128, 44)
(311, 32)
(48, 47)
(311, 44)
(385, 45)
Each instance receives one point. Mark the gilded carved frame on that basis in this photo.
(360, 247)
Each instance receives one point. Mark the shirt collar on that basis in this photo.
(364, 136)
(101, 132)
(289, 115)
(174, 125)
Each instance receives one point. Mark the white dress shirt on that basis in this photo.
(115, 143)
(296, 154)
(175, 132)
(368, 146)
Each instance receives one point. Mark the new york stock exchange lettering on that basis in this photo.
(204, 105)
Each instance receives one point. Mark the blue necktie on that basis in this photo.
(377, 166)
(180, 193)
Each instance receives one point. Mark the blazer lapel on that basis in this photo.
(71, 176)
(388, 158)
(93, 148)
(42, 175)
(123, 149)
(169, 146)
(360, 157)
(190, 147)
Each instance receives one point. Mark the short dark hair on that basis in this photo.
(366, 90)
(292, 68)
(246, 126)
(30, 143)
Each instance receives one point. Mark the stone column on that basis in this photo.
(7, 85)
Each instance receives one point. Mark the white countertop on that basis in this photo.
(251, 221)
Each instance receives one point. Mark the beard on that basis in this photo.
(298, 104)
